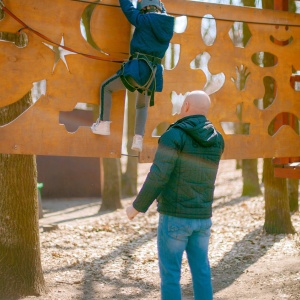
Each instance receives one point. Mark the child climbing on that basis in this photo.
(143, 71)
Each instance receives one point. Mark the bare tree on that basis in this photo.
(115, 184)
(277, 211)
(293, 194)
(111, 192)
(129, 178)
(20, 262)
(250, 178)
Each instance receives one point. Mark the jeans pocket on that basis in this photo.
(205, 226)
(177, 229)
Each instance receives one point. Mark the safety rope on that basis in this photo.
(25, 26)
(204, 17)
(111, 59)
(129, 155)
(104, 4)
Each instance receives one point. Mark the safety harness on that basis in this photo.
(132, 85)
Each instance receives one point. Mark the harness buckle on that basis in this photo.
(153, 59)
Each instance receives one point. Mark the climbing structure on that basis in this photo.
(245, 58)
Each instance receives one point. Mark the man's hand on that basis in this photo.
(131, 212)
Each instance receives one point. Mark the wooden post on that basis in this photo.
(281, 5)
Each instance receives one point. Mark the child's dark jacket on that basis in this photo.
(152, 36)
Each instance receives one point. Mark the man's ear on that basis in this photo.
(187, 106)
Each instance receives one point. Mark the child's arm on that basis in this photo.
(130, 11)
(163, 9)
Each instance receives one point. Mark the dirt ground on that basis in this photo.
(92, 256)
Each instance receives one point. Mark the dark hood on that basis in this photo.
(162, 26)
(200, 129)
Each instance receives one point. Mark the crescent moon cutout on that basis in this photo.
(85, 26)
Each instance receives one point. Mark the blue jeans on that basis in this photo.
(174, 236)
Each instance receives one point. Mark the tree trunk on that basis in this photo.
(111, 194)
(277, 211)
(129, 178)
(250, 178)
(268, 4)
(20, 262)
(293, 194)
(238, 164)
(250, 3)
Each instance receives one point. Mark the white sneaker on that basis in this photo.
(137, 143)
(101, 127)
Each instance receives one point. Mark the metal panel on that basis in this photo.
(269, 52)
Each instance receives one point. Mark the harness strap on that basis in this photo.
(155, 60)
(25, 26)
(132, 85)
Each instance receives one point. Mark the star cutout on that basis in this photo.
(59, 53)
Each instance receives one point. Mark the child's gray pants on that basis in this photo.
(114, 84)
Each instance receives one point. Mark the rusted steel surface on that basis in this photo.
(249, 69)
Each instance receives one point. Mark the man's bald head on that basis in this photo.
(195, 103)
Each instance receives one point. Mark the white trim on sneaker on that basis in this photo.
(137, 143)
(101, 127)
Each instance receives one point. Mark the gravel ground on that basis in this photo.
(92, 256)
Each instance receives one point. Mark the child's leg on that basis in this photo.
(142, 104)
(109, 86)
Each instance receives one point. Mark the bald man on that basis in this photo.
(195, 103)
(182, 179)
